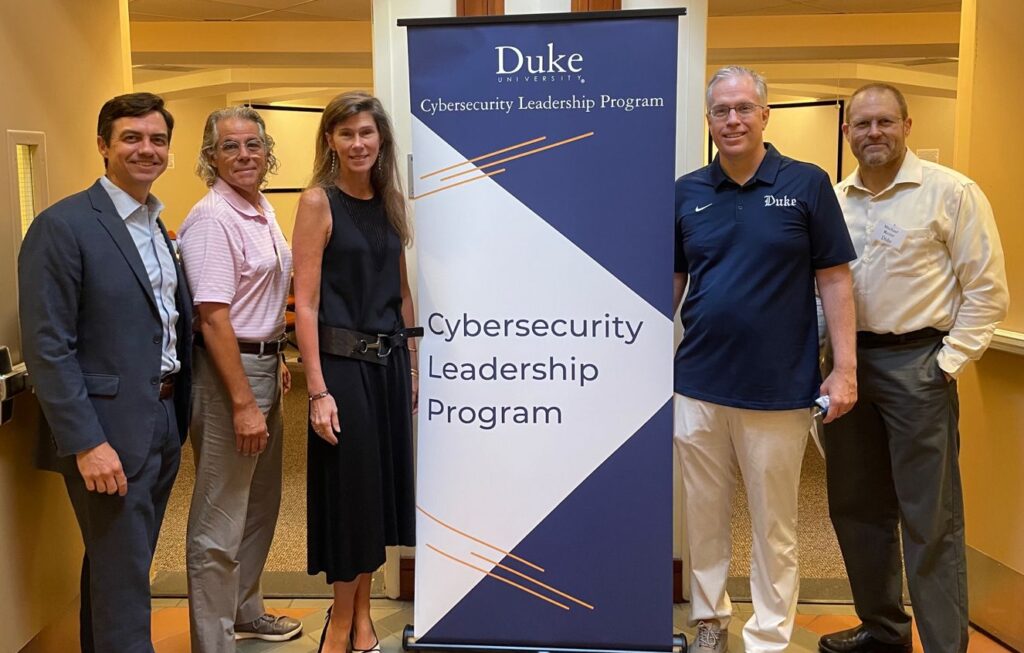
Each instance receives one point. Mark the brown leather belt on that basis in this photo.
(869, 340)
(262, 348)
(363, 346)
(167, 386)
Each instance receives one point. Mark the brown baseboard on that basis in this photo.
(407, 579)
(677, 581)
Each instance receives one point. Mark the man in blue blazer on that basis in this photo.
(106, 331)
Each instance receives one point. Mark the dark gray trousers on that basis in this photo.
(892, 464)
(120, 535)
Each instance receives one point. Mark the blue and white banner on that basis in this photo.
(543, 177)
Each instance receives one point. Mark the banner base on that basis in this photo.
(409, 643)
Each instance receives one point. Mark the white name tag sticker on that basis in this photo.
(889, 234)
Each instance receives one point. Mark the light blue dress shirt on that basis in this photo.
(141, 220)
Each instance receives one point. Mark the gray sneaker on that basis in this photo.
(710, 639)
(269, 628)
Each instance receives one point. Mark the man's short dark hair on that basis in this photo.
(131, 105)
(884, 88)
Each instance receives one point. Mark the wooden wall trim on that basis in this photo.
(480, 7)
(406, 578)
(596, 5)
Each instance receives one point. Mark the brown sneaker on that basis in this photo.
(269, 628)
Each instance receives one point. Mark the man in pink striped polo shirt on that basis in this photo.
(238, 266)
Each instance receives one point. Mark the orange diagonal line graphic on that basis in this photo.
(521, 154)
(534, 580)
(484, 156)
(496, 577)
(479, 541)
(459, 183)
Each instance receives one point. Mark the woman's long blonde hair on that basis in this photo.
(383, 175)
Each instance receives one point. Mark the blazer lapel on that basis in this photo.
(115, 226)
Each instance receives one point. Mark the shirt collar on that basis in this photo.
(766, 173)
(911, 172)
(240, 204)
(125, 204)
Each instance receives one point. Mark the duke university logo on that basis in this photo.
(511, 60)
(785, 200)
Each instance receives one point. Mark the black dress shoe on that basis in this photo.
(858, 640)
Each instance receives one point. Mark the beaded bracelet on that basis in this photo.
(319, 395)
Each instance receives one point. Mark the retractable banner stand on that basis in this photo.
(544, 151)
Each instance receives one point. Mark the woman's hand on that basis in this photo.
(323, 415)
(415, 393)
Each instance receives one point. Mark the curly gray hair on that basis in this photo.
(204, 165)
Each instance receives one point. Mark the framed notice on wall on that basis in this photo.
(294, 130)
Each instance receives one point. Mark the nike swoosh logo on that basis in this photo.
(701, 208)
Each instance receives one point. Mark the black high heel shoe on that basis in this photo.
(373, 649)
(323, 635)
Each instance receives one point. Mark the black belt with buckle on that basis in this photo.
(363, 346)
(869, 340)
(262, 348)
(167, 386)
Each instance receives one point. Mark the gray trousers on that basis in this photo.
(235, 504)
(893, 469)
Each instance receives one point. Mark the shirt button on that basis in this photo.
(739, 207)
(156, 340)
(154, 380)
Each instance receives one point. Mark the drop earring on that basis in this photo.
(334, 162)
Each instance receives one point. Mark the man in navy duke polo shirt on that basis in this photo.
(754, 231)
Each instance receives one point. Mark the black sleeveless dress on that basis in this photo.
(359, 494)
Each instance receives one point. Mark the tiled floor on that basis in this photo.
(170, 626)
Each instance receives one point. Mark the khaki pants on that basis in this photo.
(767, 446)
(234, 504)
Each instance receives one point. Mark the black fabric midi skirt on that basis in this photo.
(360, 492)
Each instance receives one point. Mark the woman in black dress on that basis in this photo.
(352, 304)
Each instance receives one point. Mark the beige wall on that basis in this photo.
(992, 457)
(991, 74)
(59, 61)
(179, 187)
(992, 392)
(992, 70)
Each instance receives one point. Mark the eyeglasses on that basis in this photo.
(253, 146)
(743, 110)
(884, 123)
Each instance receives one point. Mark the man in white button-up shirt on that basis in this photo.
(929, 289)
